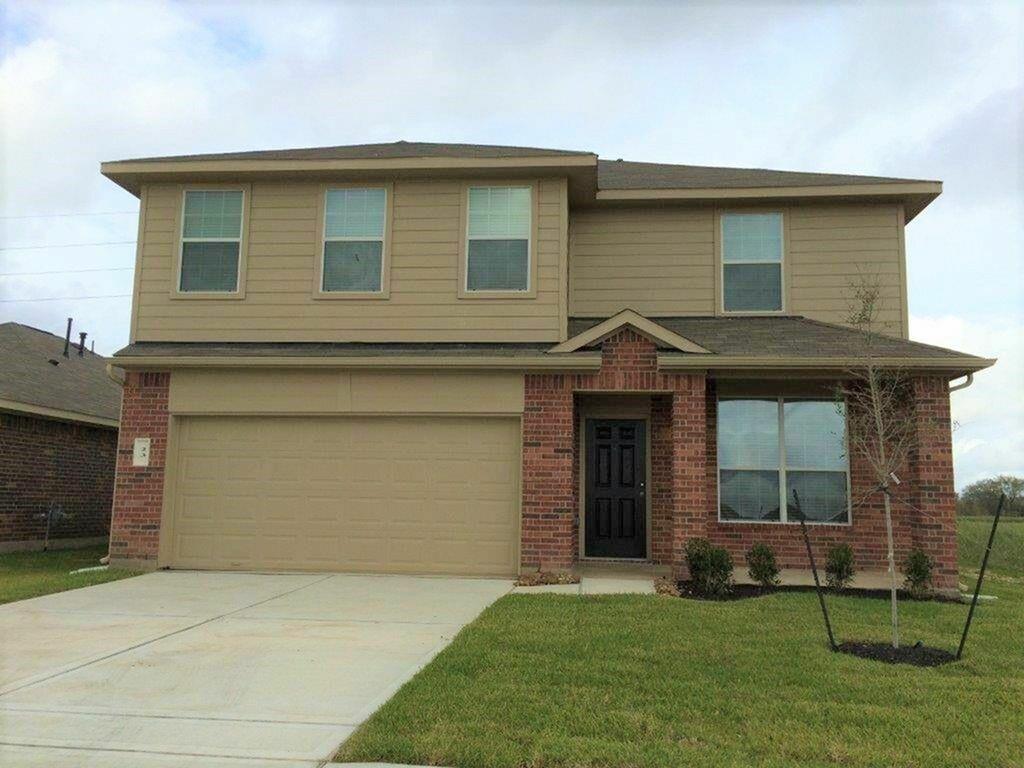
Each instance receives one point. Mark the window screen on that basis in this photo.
(752, 262)
(211, 237)
(354, 239)
(769, 448)
(498, 247)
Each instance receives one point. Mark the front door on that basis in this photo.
(616, 510)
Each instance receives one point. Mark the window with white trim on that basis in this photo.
(752, 262)
(353, 252)
(770, 447)
(211, 240)
(498, 239)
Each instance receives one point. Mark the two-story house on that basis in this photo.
(449, 358)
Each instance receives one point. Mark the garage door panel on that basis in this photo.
(388, 494)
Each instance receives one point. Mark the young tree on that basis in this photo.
(880, 426)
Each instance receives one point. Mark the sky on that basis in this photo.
(918, 90)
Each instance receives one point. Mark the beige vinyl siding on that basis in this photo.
(657, 261)
(664, 261)
(284, 246)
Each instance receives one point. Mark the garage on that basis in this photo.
(382, 494)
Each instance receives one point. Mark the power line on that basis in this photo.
(66, 298)
(65, 271)
(63, 215)
(64, 245)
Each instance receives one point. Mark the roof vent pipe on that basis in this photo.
(67, 340)
(81, 343)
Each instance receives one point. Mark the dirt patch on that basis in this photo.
(917, 655)
(748, 591)
(546, 577)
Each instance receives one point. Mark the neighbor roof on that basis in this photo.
(794, 338)
(75, 387)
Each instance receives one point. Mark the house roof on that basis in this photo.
(626, 174)
(791, 339)
(76, 389)
(720, 343)
(389, 150)
(590, 180)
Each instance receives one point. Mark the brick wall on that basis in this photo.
(684, 482)
(138, 491)
(43, 461)
(550, 452)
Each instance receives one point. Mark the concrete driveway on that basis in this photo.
(216, 669)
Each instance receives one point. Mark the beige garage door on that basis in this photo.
(377, 494)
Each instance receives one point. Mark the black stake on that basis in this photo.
(814, 570)
(981, 576)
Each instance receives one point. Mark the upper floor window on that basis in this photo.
(498, 239)
(769, 448)
(752, 262)
(353, 254)
(211, 240)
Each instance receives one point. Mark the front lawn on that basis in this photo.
(544, 680)
(31, 574)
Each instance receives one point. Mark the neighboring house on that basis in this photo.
(445, 358)
(58, 440)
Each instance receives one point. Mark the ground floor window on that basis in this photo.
(770, 447)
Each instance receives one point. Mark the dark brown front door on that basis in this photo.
(616, 485)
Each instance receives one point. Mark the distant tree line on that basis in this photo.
(981, 498)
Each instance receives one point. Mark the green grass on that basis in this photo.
(1007, 556)
(31, 574)
(541, 681)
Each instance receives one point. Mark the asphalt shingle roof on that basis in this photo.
(784, 337)
(76, 384)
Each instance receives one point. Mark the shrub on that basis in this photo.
(839, 567)
(917, 569)
(761, 565)
(710, 567)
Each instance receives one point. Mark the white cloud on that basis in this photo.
(989, 438)
(928, 90)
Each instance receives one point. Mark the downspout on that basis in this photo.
(963, 385)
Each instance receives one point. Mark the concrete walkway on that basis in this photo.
(221, 670)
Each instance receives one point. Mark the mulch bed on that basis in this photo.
(748, 591)
(918, 655)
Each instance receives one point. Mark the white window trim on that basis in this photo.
(382, 292)
(239, 291)
(528, 290)
(781, 262)
(782, 468)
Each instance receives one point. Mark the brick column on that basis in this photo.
(138, 491)
(933, 491)
(548, 494)
(689, 455)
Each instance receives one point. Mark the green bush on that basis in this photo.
(917, 569)
(839, 569)
(761, 565)
(710, 567)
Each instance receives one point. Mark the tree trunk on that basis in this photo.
(892, 571)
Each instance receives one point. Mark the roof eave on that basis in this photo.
(915, 195)
(539, 362)
(950, 366)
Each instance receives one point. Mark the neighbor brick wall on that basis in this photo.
(44, 462)
(138, 491)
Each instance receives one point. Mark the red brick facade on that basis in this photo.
(138, 491)
(683, 493)
(684, 482)
(45, 462)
